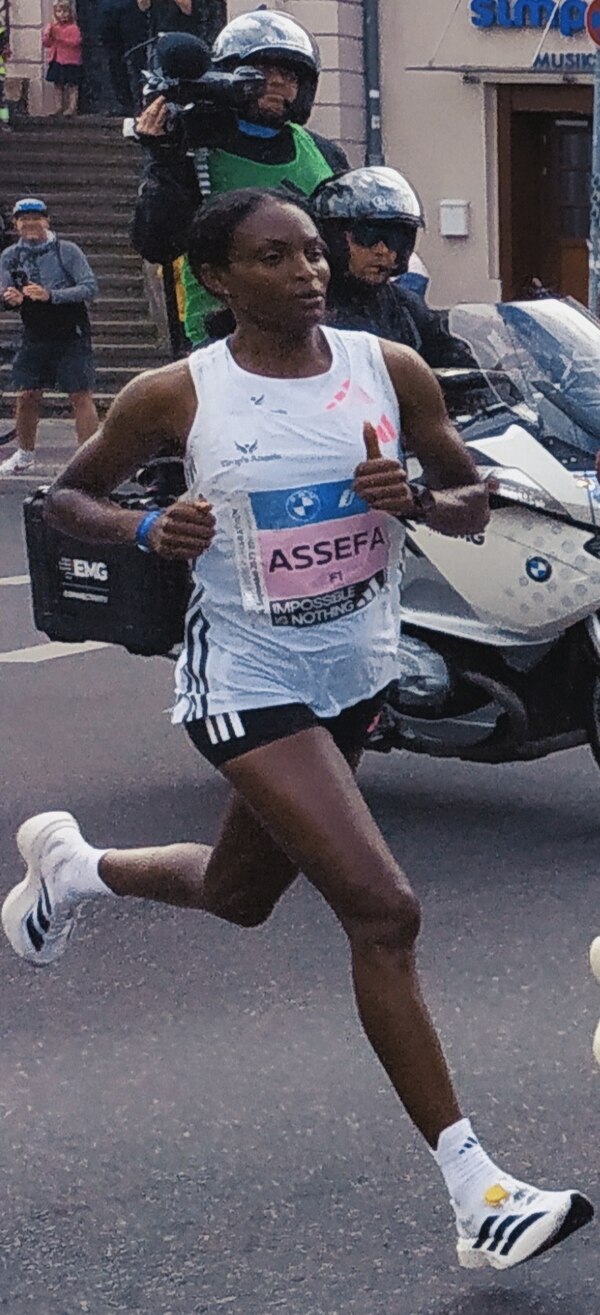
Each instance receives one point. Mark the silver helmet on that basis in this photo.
(374, 192)
(270, 34)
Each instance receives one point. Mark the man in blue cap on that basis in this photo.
(50, 281)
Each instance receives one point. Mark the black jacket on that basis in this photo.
(169, 194)
(401, 316)
(166, 16)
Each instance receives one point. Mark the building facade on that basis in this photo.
(486, 105)
(338, 25)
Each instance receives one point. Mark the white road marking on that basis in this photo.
(14, 579)
(46, 652)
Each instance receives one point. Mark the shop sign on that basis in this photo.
(564, 61)
(568, 18)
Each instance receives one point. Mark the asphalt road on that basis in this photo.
(190, 1118)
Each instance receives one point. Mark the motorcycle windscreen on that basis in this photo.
(539, 366)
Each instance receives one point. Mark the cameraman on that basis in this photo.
(50, 282)
(262, 145)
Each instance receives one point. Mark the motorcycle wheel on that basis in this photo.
(594, 719)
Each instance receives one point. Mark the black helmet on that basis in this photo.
(375, 193)
(270, 34)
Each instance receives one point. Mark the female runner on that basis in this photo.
(291, 435)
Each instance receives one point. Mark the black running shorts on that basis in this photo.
(231, 734)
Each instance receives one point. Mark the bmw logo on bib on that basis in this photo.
(539, 569)
(303, 506)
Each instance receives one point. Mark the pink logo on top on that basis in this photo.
(339, 396)
(386, 431)
(354, 393)
(358, 396)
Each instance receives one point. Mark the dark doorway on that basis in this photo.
(96, 94)
(545, 176)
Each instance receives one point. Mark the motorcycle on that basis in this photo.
(501, 632)
(500, 654)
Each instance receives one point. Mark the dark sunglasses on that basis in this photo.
(368, 233)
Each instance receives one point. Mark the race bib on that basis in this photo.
(309, 555)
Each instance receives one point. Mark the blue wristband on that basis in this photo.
(143, 530)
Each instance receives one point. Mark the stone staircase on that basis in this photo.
(88, 176)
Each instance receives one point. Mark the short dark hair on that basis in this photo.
(216, 223)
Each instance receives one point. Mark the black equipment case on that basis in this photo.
(108, 592)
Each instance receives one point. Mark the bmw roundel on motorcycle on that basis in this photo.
(500, 654)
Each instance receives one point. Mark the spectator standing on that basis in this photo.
(124, 35)
(63, 40)
(51, 282)
(4, 55)
(175, 16)
(7, 237)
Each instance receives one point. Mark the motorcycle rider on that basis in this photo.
(266, 146)
(370, 219)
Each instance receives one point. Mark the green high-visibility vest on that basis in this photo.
(228, 171)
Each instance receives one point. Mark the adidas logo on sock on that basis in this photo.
(470, 1143)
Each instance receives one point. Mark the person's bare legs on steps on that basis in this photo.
(71, 102)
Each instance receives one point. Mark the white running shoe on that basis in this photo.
(595, 958)
(20, 463)
(37, 915)
(522, 1223)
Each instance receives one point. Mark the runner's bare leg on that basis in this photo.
(307, 800)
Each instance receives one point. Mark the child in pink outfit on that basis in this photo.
(62, 38)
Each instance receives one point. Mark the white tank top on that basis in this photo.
(298, 598)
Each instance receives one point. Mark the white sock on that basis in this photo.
(468, 1171)
(83, 870)
(92, 872)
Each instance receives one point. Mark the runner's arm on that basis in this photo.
(152, 414)
(459, 502)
